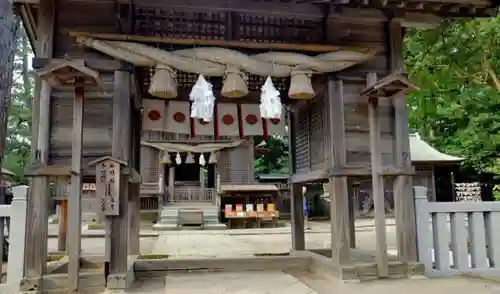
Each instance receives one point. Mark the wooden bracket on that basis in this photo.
(64, 72)
(390, 86)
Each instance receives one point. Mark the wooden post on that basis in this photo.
(337, 157)
(36, 226)
(171, 179)
(297, 209)
(75, 196)
(296, 204)
(377, 181)
(134, 189)
(121, 150)
(63, 225)
(352, 215)
(403, 193)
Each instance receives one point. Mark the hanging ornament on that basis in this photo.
(270, 103)
(300, 85)
(203, 100)
(165, 159)
(234, 85)
(163, 83)
(202, 161)
(213, 158)
(178, 159)
(189, 158)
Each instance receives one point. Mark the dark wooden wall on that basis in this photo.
(311, 119)
(98, 110)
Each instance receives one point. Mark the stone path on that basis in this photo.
(210, 244)
(275, 282)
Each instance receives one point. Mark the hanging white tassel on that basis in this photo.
(203, 100)
(189, 158)
(270, 102)
(178, 159)
(202, 161)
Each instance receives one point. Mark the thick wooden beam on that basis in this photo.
(75, 197)
(119, 225)
(337, 186)
(377, 182)
(36, 228)
(403, 192)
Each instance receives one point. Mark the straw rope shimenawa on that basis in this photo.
(230, 64)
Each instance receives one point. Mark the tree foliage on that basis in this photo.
(18, 139)
(458, 106)
(275, 159)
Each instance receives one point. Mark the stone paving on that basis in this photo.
(199, 244)
(180, 244)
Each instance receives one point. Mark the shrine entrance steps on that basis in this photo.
(189, 215)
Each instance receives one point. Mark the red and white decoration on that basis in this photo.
(251, 120)
(203, 128)
(276, 126)
(178, 120)
(227, 119)
(153, 117)
(174, 117)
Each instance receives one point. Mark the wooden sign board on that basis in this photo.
(108, 186)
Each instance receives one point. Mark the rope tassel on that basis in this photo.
(203, 100)
(166, 159)
(270, 102)
(189, 158)
(202, 161)
(213, 158)
(178, 159)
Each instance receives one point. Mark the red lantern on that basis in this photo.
(228, 119)
(275, 121)
(202, 122)
(179, 117)
(154, 115)
(251, 119)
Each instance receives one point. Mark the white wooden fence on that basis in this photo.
(17, 214)
(457, 237)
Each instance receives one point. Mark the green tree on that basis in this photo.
(18, 141)
(275, 157)
(458, 106)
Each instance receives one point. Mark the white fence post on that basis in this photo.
(424, 234)
(17, 232)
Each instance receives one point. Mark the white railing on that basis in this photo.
(457, 237)
(17, 214)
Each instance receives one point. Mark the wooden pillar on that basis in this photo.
(120, 150)
(63, 225)
(171, 179)
(352, 216)
(297, 210)
(37, 224)
(377, 181)
(404, 206)
(339, 205)
(134, 189)
(296, 202)
(75, 196)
